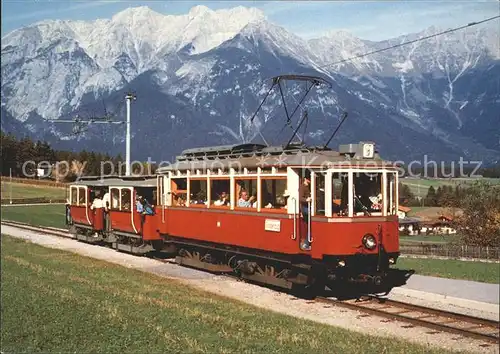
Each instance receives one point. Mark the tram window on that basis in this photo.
(126, 202)
(340, 194)
(367, 192)
(74, 196)
(246, 193)
(220, 193)
(391, 194)
(81, 196)
(115, 199)
(274, 194)
(320, 194)
(147, 193)
(179, 191)
(198, 191)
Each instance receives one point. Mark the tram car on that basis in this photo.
(289, 216)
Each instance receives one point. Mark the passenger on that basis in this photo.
(304, 199)
(138, 204)
(106, 201)
(245, 201)
(148, 209)
(223, 200)
(97, 202)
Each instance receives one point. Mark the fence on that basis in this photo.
(33, 201)
(451, 251)
(38, 182)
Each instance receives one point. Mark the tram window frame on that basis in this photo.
(321, 176)
(337, 210)
(237, 192)
(84, 203)
(176, 194)
(391, 204)
(215, 191)
(203, 181)
(73, 195)
(112, 206)
(123, 192)
(264, 181)
(377, 174)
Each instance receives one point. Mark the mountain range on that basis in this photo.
(200, 77)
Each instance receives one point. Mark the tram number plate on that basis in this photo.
(273, 225)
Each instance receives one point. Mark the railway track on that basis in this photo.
(414, 315)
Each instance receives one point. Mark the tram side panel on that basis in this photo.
(82, 215)
(269, 232)
(130, 222)
(345, 238)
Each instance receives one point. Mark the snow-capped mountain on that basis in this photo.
(199, 77)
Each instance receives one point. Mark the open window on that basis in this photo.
(178, 191)
(220, 192)
(340, 194)
(115, 199)
(82, 196)
(274, 194)
(319, 187)
(198, 192)
(126, 200)
(391, 194)
(246, 193)
(74, 196)
(367, 193)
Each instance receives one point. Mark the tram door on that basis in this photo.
(306, 203)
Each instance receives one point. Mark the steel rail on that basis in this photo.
(440, 320)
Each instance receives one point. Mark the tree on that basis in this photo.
(431, 198)
(480, 222)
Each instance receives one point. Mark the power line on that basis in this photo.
(410, 42)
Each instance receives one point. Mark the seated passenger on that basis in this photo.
(245, 201)
(223, 200)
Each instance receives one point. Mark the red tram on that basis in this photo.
(290, 215)
(202, 215)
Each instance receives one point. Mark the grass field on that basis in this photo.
(22, 190)
(454, 269)
(43, 215)
(419, 187)
(57, 301)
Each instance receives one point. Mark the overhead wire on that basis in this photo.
(470, 24)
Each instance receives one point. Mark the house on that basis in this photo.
(403, 211)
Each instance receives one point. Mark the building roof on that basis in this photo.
(404, 209)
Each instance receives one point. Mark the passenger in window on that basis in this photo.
(223, 200)
(138, 204)
(245, 201)
(148, 208)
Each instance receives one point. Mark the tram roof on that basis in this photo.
(256, 155)
(116, 181)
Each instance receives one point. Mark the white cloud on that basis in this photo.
(35, 14)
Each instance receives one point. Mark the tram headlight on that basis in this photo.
(369, 241)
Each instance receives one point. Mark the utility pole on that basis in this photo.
(10, 173)
(129, 97)
(107, 120)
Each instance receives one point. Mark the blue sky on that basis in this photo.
(374, 20)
